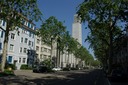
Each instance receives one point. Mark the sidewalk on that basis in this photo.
(27, 77)
(102, 80)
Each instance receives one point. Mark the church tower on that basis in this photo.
(77, 29)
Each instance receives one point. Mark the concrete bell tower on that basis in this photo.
(77, 29)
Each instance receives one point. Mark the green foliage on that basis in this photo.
(95, 63)
(103, 18)
(25, 67)
(50, 32)
(70, 44)
(9, 72)
(51, 29)
(89, 59)
(66, 69)
(12, 66)
(13, 12)
(74, 68)
(47, 63)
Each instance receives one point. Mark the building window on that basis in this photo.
(29, 43)
(3, 23)
(12, 36)
(9, 59)
(41, 49)
(11, 47)
(49, 50)
(24, 59)
(26, 23)
(0, 45)
(33, 35)
(38, 41)
(20, 49)
(21, 39)
(26, 40)
(32, 43)
(25, 50)
(37, 48)
(19, 60)
(45, 57)
(29, 25)
(23, 30)
(41, 56)
(30, 34)
(45, 49)
(2, 34)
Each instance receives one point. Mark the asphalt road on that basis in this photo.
(93, 77)
(84, 77)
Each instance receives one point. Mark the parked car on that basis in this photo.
(40, 69)
(56, 69)
(118, 75)
(66, 69)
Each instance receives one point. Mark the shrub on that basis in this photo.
(8, 71)
(74, 68)
(10, 66)
(66, 69)
(86, 68)
(47, 63)
(25, 67)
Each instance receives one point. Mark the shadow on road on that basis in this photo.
(49, 80)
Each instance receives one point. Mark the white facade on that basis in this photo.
(77, 29)
(23, 39)
(20, 41)
(77, 34)
(43, 51)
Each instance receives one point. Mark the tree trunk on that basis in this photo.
(51, 51)
(110, 49)
(68, 59)
(62, 60)
(57, 57)
(51, 48)
(4, 54)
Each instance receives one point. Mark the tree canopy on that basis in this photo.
(13, 12)
(106, 19)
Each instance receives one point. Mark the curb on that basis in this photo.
(108, 81)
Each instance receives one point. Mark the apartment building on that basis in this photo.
(20, 41)
(24, 47)
(43, 51)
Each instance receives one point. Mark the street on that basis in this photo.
(118, 82)
(93, 77)
(78, 77)
(82, 77)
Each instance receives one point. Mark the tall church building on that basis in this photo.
(77, 29)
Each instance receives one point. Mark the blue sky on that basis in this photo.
(64, 11)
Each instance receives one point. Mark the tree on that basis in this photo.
(51, 30)
(106, 15)
(96, 63)
(13, 12)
